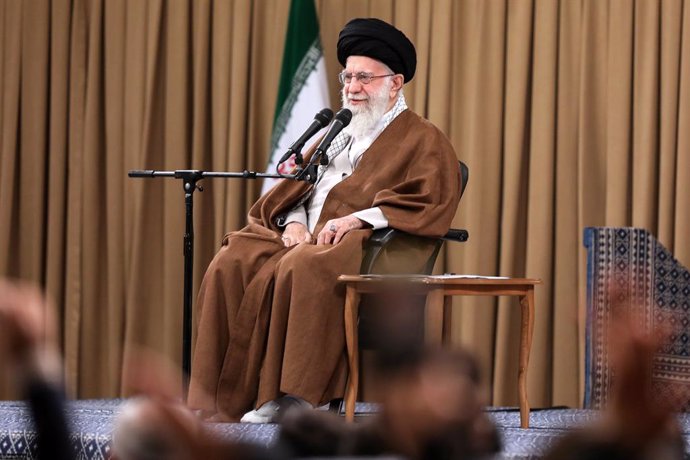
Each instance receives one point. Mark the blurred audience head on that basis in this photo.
(28, 333)
(636, 425)
(433, 407)
(152, 429)
(432, 398)
(156, 424)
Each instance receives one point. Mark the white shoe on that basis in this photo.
(271, 411)
(288, 402)
(264, 414)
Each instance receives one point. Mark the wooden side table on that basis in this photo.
(438, 291)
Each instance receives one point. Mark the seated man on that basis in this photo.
(270, 308)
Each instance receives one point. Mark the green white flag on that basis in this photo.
(303, 89)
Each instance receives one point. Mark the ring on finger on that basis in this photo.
(333, 228)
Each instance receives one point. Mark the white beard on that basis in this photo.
(365, 117)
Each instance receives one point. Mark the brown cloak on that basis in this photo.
(270, 318)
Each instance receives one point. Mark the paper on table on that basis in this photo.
(399, 275)
(478, 277)
(444, 276)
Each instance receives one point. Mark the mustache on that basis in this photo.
(356, 98)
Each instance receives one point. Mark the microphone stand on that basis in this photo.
(190, 177)
(310, 173)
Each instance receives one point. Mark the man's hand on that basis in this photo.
(295, 233)
(335, 229)
(27, 332)
(22, 320)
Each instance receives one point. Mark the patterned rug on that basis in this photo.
(628, 269)
(92, 426)
(91, 422)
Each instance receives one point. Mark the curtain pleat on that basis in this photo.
(481, 101)
(669, 81)
(680, 242)
(568, 277)
(10, 75)
(568, 114)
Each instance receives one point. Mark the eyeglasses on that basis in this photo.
(362, 77)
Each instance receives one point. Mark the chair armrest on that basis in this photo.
(383, 236)
(389, 243)
(459, 235)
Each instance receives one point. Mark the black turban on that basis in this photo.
(378, 40)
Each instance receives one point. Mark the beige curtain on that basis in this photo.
(569, 113)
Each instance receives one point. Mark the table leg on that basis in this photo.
(351, 338)
(433, 317)
(447, 319)
(526, 330)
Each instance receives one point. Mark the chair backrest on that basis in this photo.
(392, 251)
(628, 269)
(464, 177)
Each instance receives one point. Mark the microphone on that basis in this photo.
(342, 119)
(321, 120)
